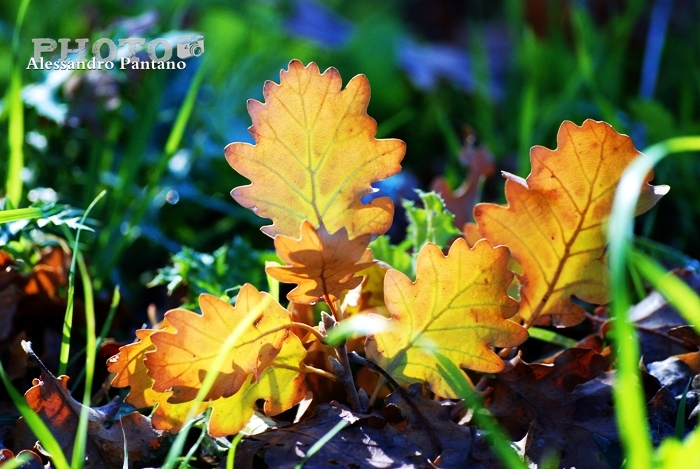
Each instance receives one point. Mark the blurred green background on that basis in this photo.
(510, 71)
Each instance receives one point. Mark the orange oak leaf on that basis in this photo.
(315, 156)
(50, 398)
(554, 223)
(130, 370)
(321, 264)
(181, 359)
(281, 385)
(457, 307)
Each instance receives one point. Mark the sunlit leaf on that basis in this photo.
(182, 359)
(315, 155)
(321, 264)
(281, 385)
(457, 306)
(554, 221)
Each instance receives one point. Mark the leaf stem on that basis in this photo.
(301, 325)
(331, 306)
(308, 328)
(309, 370)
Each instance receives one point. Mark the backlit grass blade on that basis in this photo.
(629, 397)
(676, 291)
(90, 355)
(184, 464)
(550, 336)
(15, 140)
(461, 387)
(316, 447)
(15, 108)
(231, 456)
(68, 318)
(17, 214)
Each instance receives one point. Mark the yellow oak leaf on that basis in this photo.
(182, 358)
(321, 264)
(457, 307)
(281, 385)
(315, 155)
(554, 221)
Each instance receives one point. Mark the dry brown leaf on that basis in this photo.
(565, 408)
(51, 399)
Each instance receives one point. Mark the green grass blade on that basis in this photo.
(183, 115)
(210, 378)
(673, 289)
(674, 454)
(116, 297)
(680, 415)
(190, 454)
(552, 337)
(35, 423)
(461, 387)
(272, 282)
(15, 140)
(231, 456)
(68, 318)
(15, 118)
(17, 214)
(90, 356)
(17, 461)
(316, 447)
(629, 397)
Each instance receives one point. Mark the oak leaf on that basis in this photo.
(458, 306)
(321, 264)
(315, 156)
(51, 399)
(182, 359)
(281, 385)
(554, 223)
